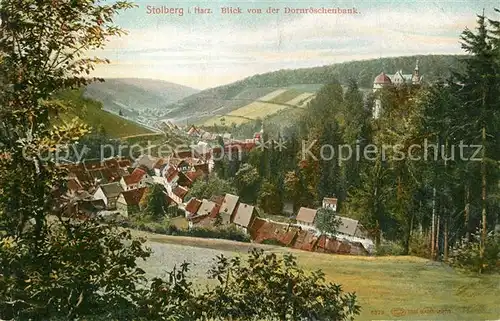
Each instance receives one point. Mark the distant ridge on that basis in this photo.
(133, 95)
(225, 99)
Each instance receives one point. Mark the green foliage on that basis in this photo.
(221, 232)
(79, 269)
(264, 286)
(156, 203)
(327, 221)
(212, 186)
(467, 254)
(389, 248)
(268, 199)
(247, 181)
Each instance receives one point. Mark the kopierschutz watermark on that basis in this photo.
(308, 150)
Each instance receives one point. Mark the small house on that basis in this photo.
(109, 193)
(306, 216)
(228, 208)
(128, 201)
(244, 216)
(330, 202)
(137, 179)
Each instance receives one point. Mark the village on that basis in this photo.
(117, 187)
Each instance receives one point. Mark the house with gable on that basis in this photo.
(228, 208)
(137, 179)
(206, 215)
(109, 193)
(330, 202)
(244, 217)
(305, 217)
(145, 160)
(128, 203)
(192, 207)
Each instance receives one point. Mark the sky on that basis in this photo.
(206, 50)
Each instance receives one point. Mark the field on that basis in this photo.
(388, 288)
(270, 104)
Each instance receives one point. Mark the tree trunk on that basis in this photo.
(377, 235)
(467, 212)
(436, 252)
(483, 198)
(445, 244)
(433, 223)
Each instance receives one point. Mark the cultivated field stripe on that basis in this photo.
(302, 97)
(272, 95)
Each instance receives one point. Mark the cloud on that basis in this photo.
(211, 54)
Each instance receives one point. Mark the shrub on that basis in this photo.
(226, 232)
(261, 287)
(389, 248)
(466, 255)
(272, 242)
(419, 246)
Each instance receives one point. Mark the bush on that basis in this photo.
(261, 287)
(145, 223)
(389, 248)
(419, 246)
(272, 242)
(466, 255)
(228, 233)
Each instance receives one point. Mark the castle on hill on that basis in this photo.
(383, 80)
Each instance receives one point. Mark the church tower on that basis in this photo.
(415, 79)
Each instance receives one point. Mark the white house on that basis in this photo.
(138, 179)
(330, 202)
(306, 216)
(109, 194)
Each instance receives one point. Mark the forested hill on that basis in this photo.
(363, 71)
(433, 67)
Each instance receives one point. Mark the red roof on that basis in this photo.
(382, 79)
(159, 163)
(171, 174)
(133, 197)
(194, 175)
(124, 163)
(330, 200)
(180, 191)
(193, 205)
(135, 177)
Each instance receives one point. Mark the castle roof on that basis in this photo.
(382, 79)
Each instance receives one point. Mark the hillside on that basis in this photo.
(223, 100)
(388, 287)
(92, 113)
(135, 96)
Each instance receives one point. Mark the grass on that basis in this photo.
(285, 97)
(91, 113)
(388, 288)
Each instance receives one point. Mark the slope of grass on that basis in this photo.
(285, 96)
(388, 288)
(91, 113)
(202, 106)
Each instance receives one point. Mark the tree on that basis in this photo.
(67, 269)
(212, 186)
(327, 221)
(481, 86)
(155, 202)
(247, 182)
(268, 199)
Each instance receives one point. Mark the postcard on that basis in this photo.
(250, 160)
